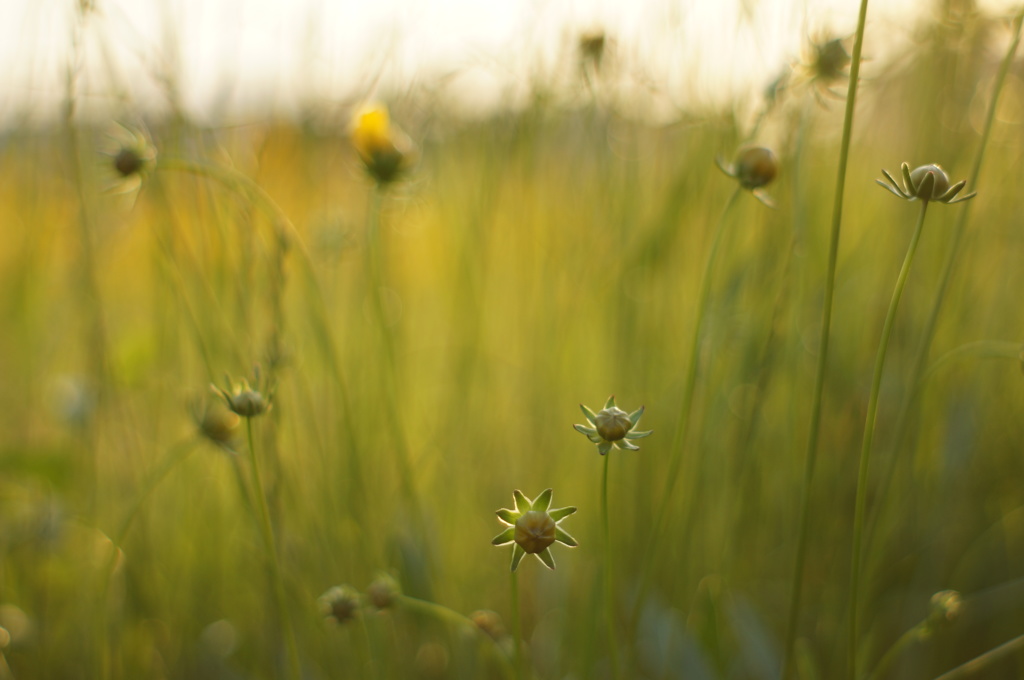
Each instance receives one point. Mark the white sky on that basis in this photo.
(234, 59)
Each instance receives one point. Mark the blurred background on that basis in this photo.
(182, 199)
(227, 62)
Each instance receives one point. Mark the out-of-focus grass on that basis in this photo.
(533, 262)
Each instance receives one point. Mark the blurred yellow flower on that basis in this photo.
(385, 150)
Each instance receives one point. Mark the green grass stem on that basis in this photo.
(865, 452)
(685, 411)
(824, 335)
(267, 529)
(609, 586)
(517, 628)
(921, 356)
(983, 661)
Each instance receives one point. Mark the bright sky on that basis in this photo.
(239, 59)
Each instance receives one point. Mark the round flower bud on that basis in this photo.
(128, 162)
(535, 531)
(340, 603)
(216, 423)
(917, 177)
(612, 424)
(489, 622)
(755, 167)
(383, 591)
(248, 403)
(945, 607)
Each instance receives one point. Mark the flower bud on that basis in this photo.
(945, 607)
(128, 162)
(755, 167)
(489, 622)
(340, 603)
(383, 591)
(612, 424)
(940, 186)
(248, 403)
(535, 531)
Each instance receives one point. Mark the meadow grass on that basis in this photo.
(426, 365)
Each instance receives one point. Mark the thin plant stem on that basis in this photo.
(869, 432)
(824, 336)
(375, 283)
(449, 616)
(294, 668)
(983, 661)
(915, 634)
(982, 349)
(921, 357)
(685, 408)
(245, 186)
(517, 627)
(609, 590)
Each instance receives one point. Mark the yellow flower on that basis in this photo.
(385, 150)
(533, 528)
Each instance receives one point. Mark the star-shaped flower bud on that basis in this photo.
(611, 427)
(533, 527)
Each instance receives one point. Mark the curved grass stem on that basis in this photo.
(865, 452)
(983, 661)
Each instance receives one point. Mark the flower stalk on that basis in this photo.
(869, 432)
(284, 620)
